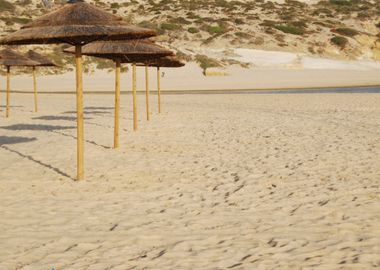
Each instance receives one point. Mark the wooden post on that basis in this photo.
(80, 126)
(159, 89)
(35, 90)
(8, 90)
(134, 97)
(117, 104)
(147, 92)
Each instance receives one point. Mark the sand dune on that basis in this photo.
(215, 182)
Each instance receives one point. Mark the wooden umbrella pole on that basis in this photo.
(159, 89)
(134, 97)
(80, 125)
(35, 90)
(117, 104)
(147, 92)
(8, 90)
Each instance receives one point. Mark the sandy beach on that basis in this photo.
(266, 155)
(215, 182)
(190, 78)
(267, 70)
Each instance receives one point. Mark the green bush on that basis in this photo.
(21, 20)
(349, 32)
(206, 62)
(290, 29)
(6, 6)
(180, 20)
(322, 11)
(216, 29)
(115, 5)
(170, 26)
(268, 23)
(103, 63)
(192, 16)
(148, 24)
(193, 30)
(299, 24)
(239, 21)
(341, 2)
(339, 41)
(295, 3)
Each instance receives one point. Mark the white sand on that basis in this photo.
(278, 59)
(191, 78)
(215, 182)
(269, 70)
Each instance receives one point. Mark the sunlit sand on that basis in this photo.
(214, 182)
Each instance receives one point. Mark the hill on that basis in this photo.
(339, 29)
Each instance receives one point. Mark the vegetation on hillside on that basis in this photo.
(188, 25)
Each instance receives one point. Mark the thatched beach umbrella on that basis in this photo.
(43, 62)
(76, 23)
(167, 62)
(129, 51)
(10, 58)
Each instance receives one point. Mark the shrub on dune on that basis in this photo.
(339, 41)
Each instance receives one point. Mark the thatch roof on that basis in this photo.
(41, 59)
(128, 51)
(9, 58)
(76, 23)
(168, 61)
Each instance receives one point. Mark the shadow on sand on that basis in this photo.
(50, 128)
(14, 140)
(54, 117)
(93, 110)
(37, 161)
(37, 127)
(88, 112)
(68, 118)
(5, 140)
(19, 108)
(98, 108)
(87, 141)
